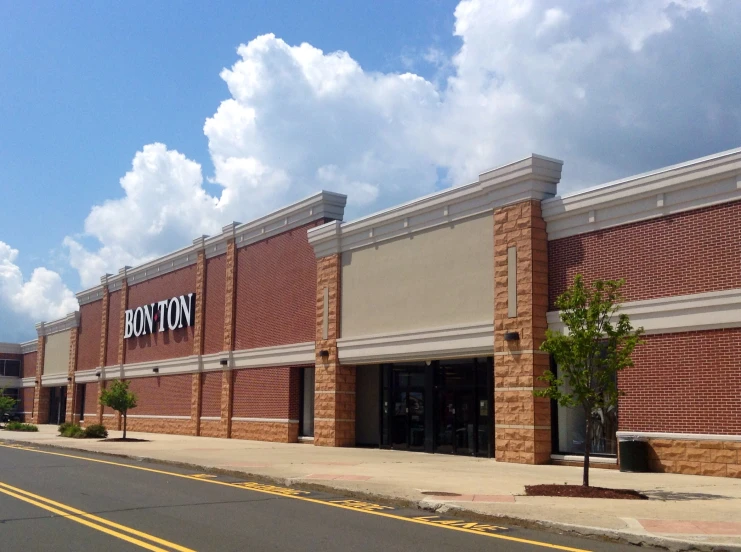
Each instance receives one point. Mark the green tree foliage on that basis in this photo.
(597, 344)
(6, 403)
(118, 397)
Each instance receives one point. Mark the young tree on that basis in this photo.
(118, 397)
(598, 344)
(6, 404)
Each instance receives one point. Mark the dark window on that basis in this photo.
(10, 368)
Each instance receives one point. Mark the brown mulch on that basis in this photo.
(122, 440)
(580, 491)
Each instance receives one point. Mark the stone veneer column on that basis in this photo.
(103, 344)
(122, 328)
(230, 290)
(40, 399)
(522, 421)
(334, 398)
(196, 382)
(69, 415)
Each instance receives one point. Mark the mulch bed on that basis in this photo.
(127, 440)
(580, 491)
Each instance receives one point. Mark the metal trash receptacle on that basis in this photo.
(633, 454)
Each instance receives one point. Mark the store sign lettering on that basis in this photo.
(171, 314)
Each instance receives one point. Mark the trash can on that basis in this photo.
(633, 454)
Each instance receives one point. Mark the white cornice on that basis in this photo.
(30, 346)
(72, 320)
(10, 348)
(28, 382)
(281, 355)
(682, 313)
(534, 177)
(470, 340)
(691, 185)
(632, 435)
(323, 205)
(54, 380)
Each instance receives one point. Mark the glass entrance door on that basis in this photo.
(57, 404)
(407, 418)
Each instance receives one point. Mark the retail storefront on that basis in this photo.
(419, 328)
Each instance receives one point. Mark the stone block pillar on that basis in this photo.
(334, 399)
(230, 301)
(103, 347)
(195, 397)
(72, 411)
(40, 414)
(522, 421)
(122, 331)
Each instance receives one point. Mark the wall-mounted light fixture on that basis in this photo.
(224, 361)
(97, 374)
(36, 382)
(69, 378)
(324, 353)
(156, 369)
(511, 336)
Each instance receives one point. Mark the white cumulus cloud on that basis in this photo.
(613, 88)
(43, 296)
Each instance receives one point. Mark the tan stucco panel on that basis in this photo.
(56, 353)
(440, 277)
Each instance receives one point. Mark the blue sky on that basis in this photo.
(121, 138)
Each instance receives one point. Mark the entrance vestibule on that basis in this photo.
(441, 406)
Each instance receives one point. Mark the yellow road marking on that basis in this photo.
(71, 513)
(257, 488)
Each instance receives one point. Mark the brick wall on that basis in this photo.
(162, 395)
(170, 343)
(211, 394)
(26, 396)
(262, 393)
(693, 252)
(88, 337)
(114, 328)
(213, 323)
(91, 402)
(687, 382)
(276, 291)
(28, 365)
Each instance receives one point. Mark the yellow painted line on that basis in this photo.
(421, 520)
(95, 526)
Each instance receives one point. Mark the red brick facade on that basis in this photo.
(276, 291)
(114, 328)
(692, 252)
(213, 324)
(27, 396)
(162, 396)
(266, 393)
(211, 395)
(169, 344)
(88, 339)
(687, 382)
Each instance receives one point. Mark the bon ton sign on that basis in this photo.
(170, 314)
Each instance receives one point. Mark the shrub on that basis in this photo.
(96, 431)
(18, 426)
(63, 427)
(74, 431)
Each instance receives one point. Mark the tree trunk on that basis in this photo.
(124, 435)
(587, 448)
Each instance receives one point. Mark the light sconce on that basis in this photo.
(512, 336)
(224, 362)
(156, 369)
(97, 374)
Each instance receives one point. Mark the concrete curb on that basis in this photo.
(615, 535)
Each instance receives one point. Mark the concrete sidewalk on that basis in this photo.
(684, 511)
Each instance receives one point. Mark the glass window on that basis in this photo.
(12, 368)
(572, 429)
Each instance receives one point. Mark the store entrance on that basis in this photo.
(440, 406)
(57, 404)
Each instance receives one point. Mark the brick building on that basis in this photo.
(419, 327)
